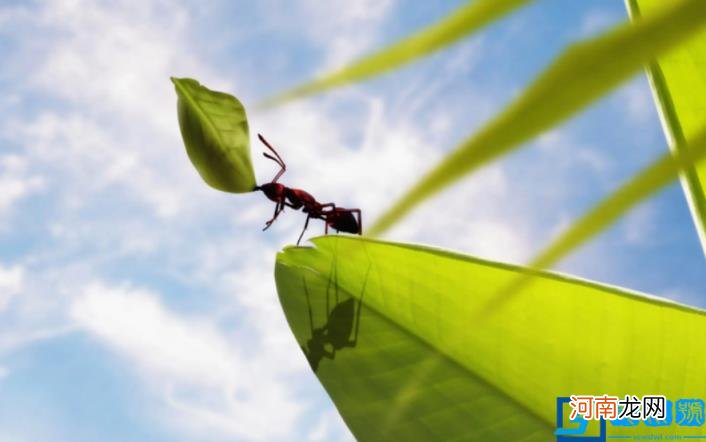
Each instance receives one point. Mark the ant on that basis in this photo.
(338, 218)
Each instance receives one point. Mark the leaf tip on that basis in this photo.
(176, 80)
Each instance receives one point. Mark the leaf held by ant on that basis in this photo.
(214, 128)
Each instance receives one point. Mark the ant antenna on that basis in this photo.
(277, 160)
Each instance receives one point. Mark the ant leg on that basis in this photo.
(279, 207)
(325, 209)
(274, 216)
(306, 224)
(360, 220)
(359, 216)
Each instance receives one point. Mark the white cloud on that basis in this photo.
(137, 324)
(11, 281)
(204, 378)
(341, 29)
(114, 143)
(28, 334)
(116, 58)
(13, 189)
(347, 28)
(16, 182)
(92, 157)
(472, 217)
(110, 65)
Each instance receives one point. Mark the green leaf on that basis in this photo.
(678, 82)
(426, 366)
(215, 131)
(462, 22)
(578, 77)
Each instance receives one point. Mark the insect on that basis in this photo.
(338, 218)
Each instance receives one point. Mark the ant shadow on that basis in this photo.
(341, 328)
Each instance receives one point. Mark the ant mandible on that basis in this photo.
(338, 218)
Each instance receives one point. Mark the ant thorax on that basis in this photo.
(299, 198)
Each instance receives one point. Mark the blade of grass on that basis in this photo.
(463, 21)
(645, 183)
(678, 84)
(579, 76)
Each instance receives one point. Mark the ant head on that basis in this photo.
(272, 191)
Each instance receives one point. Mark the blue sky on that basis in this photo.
(138, 304)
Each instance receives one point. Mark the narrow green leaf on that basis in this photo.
(463, 21)
(678, 82)
(582, 74)
(411, 363)
(215, 132)
(642, 185)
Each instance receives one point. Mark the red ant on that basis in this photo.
(337, 218)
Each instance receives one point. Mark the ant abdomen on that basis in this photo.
(343, 220)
